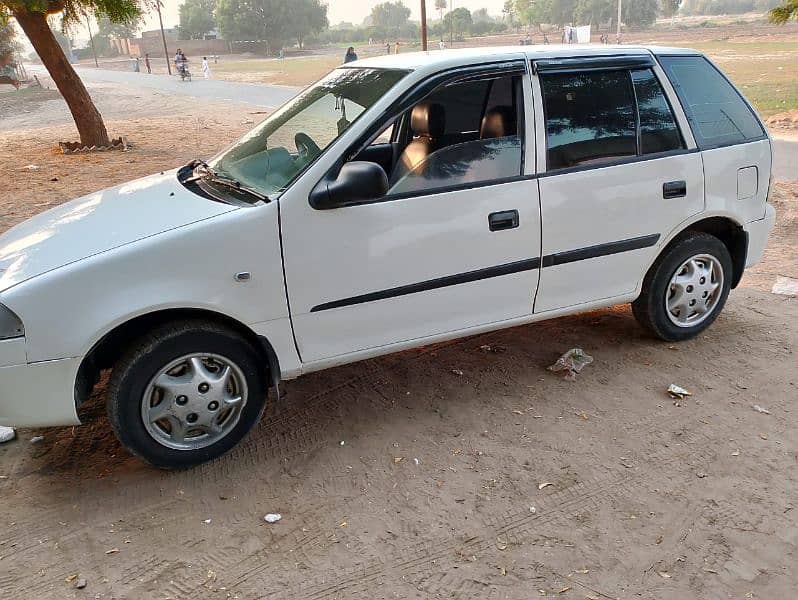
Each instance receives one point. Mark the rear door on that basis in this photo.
(618, 174)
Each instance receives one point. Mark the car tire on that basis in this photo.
(686, 288)
(186, 393)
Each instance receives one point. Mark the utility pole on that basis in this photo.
(163, 37)
(618, 30)
(91, 40)
(424, 25)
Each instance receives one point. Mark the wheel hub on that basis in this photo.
(194, 401)
(694, 290)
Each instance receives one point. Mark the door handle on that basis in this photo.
(506, 219)
(674, 189)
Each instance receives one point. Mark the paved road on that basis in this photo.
(785, 159)
(270, 96)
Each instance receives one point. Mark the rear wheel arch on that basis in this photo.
(727, 230)
(112, 345)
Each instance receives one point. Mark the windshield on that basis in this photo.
(270, 156)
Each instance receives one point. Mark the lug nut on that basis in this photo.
(692, 302)
(181, 400)
(192, 417)
(703, 280)
(689, 288)
(213, 405)
(203, 387)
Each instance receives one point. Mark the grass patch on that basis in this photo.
(763, 70)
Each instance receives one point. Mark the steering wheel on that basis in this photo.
(305, 145)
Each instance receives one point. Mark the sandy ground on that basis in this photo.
(421, 475)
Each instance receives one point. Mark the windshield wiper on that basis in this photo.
(206, 173)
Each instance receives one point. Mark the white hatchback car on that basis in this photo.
(399, 201)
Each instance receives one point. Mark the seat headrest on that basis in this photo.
(428, 119)
(499, 121)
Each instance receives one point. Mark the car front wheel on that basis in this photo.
(686, 288)
(186, 393)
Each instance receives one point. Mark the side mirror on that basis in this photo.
(357, 181)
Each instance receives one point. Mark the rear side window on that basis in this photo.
(658, 129)
(590, 118)
(717, 113)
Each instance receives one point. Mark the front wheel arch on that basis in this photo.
(109, 349)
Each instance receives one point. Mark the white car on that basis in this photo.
(399, 201)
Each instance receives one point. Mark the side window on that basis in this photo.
(590, 118)
(488, 147)
(463, 104)
(717, 113)
(658, 129)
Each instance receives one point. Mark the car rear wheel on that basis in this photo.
(186, 393)
(686, 288)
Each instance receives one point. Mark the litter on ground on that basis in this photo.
(571, 363)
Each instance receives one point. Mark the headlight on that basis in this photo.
(10, 324)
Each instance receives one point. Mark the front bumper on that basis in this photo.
(37, 394)
(758, 232)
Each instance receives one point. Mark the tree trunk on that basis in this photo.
(87, 118)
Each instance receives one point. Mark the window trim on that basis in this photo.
(503, 68)
(688, 113)
(639, 156)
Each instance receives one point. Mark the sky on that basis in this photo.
(353, 11)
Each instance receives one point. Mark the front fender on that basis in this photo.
(68, 310)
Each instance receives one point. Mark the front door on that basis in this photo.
(619, 177)
(455, 243)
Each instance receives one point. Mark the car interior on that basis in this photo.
(463, 132)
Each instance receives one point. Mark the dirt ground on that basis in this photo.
(462, 470)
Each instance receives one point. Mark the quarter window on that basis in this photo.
(717, 113)
(590, 118)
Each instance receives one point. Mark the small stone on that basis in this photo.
(81, 583)
(272, 517)
(36, 439)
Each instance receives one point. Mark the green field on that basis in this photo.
(766, 71)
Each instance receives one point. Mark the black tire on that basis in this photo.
(650, 310)
(138, 366)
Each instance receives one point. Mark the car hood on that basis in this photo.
(100, 222)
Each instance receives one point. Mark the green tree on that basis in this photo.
(196, 18)
(785, 12)
(458, 21)
(31, 15)
(307, 17)
(391, 16)
(265, 20)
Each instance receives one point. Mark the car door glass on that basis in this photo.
(590, 118)
(493, 151)
(717, 113)
(469, 163)
(658, 129)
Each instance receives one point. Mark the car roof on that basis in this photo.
(437, 59)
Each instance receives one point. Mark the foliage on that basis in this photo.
(271, 21)
(8, 43)
(196, 19)
(726, 7)
(118, 11)
(785, 12)
(458, 21)
(306, 17)
(390, 15)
